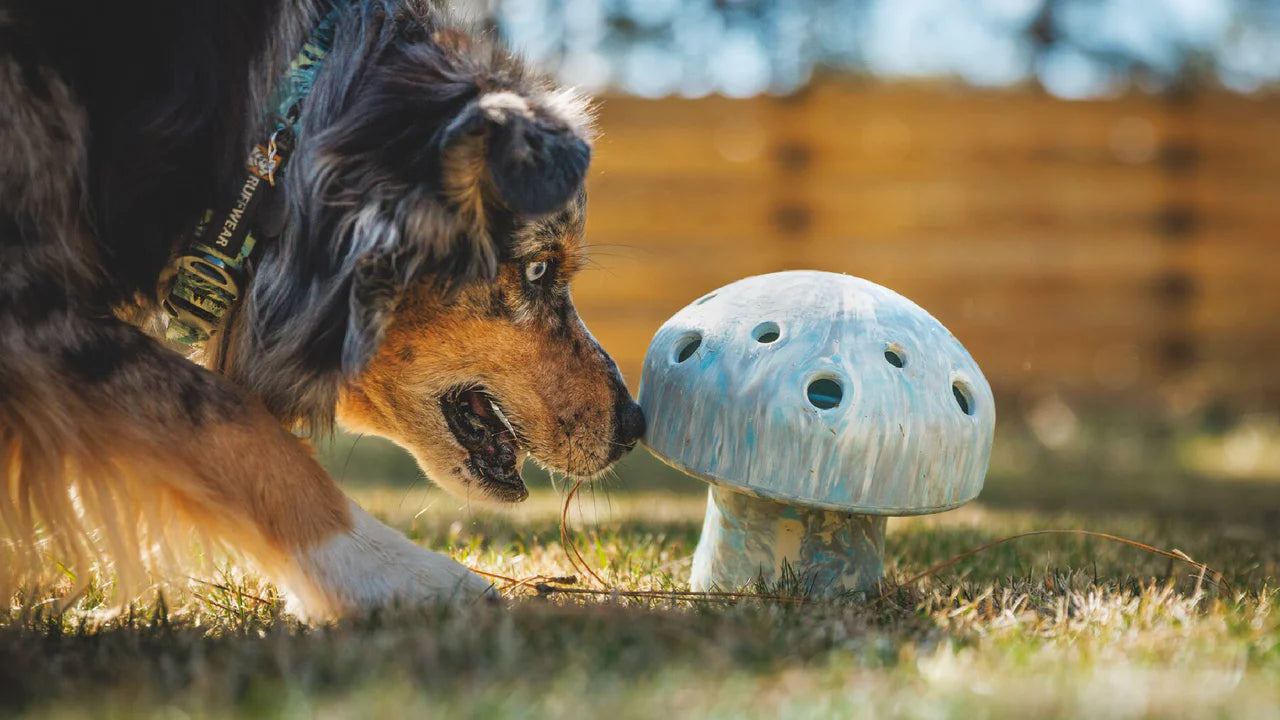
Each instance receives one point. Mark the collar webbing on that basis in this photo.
(209, 275)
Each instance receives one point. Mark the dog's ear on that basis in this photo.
(529, 154)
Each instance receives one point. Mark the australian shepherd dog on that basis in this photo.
(410, 279)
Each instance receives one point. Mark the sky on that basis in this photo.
(1075, 49)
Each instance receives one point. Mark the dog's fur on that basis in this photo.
(431, 220)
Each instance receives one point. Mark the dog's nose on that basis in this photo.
(628, 424)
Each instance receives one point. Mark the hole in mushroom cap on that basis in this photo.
(705, 298)
(895, 356)
(766, 332)
(964, 398)
(825, 393)
(686, 346)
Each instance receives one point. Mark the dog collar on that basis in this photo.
(211, 272)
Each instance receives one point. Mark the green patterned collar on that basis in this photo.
(212, 272)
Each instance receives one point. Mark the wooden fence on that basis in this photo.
(1108, 251)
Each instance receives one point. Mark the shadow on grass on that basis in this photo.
(263, 664)
(1171, 496)
(477, 650)
(1248, 557)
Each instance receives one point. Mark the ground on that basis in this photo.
(1046, 626)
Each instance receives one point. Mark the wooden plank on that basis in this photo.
(970, 269)
(654, 209)
(1000, 164)
(1047, 253)
(874, 124)
(996, 118)
(665, 210)
(673, 277)
(1257, 198)
(1247, 313)
(728, 150)
(838, 211)
(1236, 130)
(1234, 257)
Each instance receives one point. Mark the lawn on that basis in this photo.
(1045, 626)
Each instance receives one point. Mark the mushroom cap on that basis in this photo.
(822, 390)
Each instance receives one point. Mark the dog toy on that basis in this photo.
(816, 405)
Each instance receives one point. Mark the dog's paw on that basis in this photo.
(374, 566)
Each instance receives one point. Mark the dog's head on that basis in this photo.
(470, 382)
(435, 219)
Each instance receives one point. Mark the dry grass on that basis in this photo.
(1045, 626)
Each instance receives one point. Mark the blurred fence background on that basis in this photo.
(1112, 251)
(1086, 192)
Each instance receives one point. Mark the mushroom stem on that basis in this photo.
(746, 538)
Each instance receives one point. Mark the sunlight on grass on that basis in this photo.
(1046, 626)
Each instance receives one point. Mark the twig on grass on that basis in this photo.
(546, 586)
(514, 584)
(549, 589)
(1174, 554)
(566, 538)
(215, 603)
(228, 589)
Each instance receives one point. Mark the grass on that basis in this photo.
(1046, 626)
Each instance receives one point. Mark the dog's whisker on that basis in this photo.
(350, 451)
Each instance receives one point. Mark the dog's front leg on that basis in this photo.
(371, 565)
(102, 413)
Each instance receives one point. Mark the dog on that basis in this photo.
(409, 278)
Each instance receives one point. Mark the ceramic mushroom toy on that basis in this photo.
(816, 405)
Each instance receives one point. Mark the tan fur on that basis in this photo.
(553, 385)
(246, 484)
(464, 176)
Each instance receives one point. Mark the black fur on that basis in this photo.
(535, 161)
(120, 122)
(366, 216)
(167, 92)
(102, 351)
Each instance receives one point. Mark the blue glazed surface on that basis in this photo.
(736, 411)
(745, 539)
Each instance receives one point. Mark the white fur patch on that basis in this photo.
(573, 109)
(497, 105)
(566, 105)
(376, 566)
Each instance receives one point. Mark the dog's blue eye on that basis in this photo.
(535, 270)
